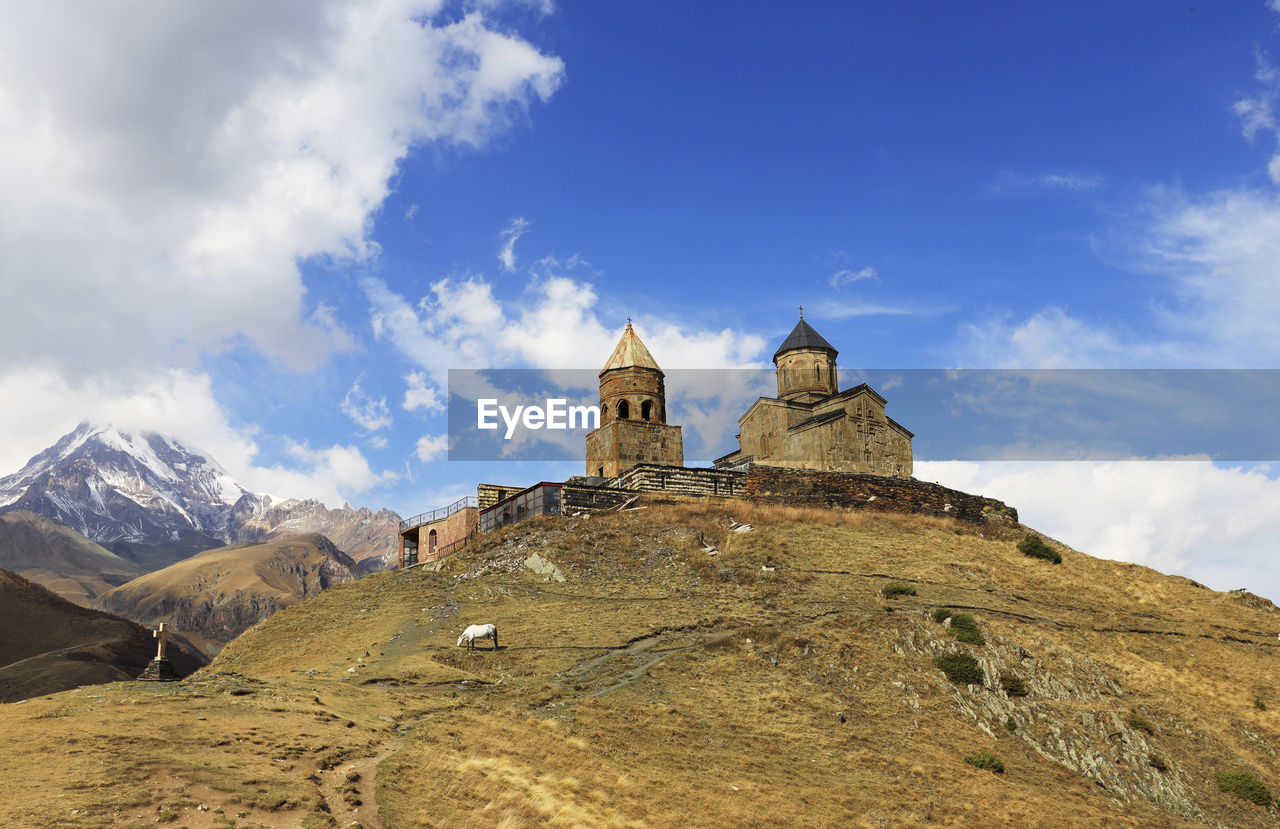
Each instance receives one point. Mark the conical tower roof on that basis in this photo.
(803, 336)
(630, 353)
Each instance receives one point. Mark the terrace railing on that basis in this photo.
(437, 514)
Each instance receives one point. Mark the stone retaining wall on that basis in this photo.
(802, 487)
(682, 480)
(591, 498)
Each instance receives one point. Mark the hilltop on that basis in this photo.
(644, 681)
(214, 595)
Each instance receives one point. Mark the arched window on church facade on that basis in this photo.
(646, 410)
(624, 410)
(431, 542)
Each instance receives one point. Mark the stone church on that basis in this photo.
(813, 425)
(809, 425)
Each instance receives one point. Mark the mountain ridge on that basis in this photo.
(151, 500)
(216, 594)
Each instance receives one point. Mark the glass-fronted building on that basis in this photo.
(540, 499)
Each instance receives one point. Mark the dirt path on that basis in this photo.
(351, 789)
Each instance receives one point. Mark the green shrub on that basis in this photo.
(1157, 762)
(1011, 724)
(986, 760)
(1140, 723)
(1260, 705)
(960, 668)
(941, 615)
(965, 629)
(1013, 686)
(1244, 785)
(1034, 546)
(891, 590)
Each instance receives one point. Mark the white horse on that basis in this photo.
(474, 632)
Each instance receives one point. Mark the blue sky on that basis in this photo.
(272, 234)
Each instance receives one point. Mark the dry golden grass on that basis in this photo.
(769, 685)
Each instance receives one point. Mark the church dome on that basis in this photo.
(803, 336)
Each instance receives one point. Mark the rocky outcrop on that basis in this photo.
(371, 538)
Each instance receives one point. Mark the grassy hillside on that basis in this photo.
(214, 595)
(772, 683)
(48, 644)
(44, 551)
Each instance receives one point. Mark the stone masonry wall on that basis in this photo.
(621, 444)
(802, 487)
(591, 498)
(489, 494)
(681, 480)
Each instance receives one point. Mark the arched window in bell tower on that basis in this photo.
(604, 413)
(624, 410)
(646, 410)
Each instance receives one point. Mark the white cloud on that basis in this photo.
(554, 323)
(1215, 525)
(845, 276)
(368, 413)
(330, 474)
(1213, 263)
(418, 395)
(186, 157)
(508, 238)
(432, 447)
(1049, 338)
(180, 404)
(844, 310)
(1257, 112)
(1009, 181)
(166, 167)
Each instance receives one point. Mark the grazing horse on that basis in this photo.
(474, 632)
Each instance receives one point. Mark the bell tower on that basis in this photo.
(633, 414)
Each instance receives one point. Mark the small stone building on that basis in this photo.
(813, 425)
(633, 414)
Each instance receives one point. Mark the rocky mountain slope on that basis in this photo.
(663, 669)
(48, 644)
(214, 595)
(44, 551)
(153, 501)
(369, 537)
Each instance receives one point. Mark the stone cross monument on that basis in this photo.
(161, 635)
(160, 669)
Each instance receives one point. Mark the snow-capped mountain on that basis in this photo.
(142, 495)
(149, 498)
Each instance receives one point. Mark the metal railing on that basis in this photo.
(437, 514)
